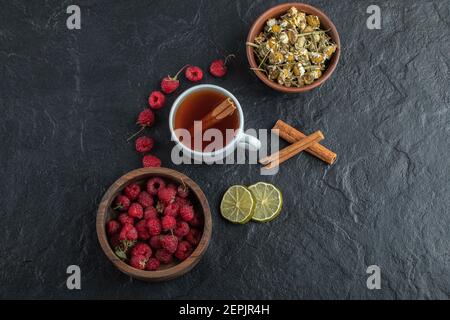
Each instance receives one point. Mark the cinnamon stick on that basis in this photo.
(284, 154)
(222, 110)
(291, 135)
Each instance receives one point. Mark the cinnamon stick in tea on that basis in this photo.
(223, 109)
(291, 135)
(284, 154)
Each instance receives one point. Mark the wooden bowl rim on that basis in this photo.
(171, 272)
(276, 11)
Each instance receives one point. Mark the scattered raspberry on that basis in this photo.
(156, 100)
(144, 144)
(172, 210)
(153, 185)
(183, 191)
(149, 161)
(193, 73)
(128, 233)
(166, 195)
(145, 119)
(187, 213)
(141, 249)
(218, 68)
(138, 262)
(155, 242)
(125, 219)
(194, 236)
(168, 223)
(136, 210)
(197, 221)
(152, 264)
(122, 203)
(171, 186)
(184, 250)
(145, 199)
(112, 227)
(169, 242)
(150, 213)
(154, 227)
(170, 84)
(142, 230)
(164, 256)
(182, 229)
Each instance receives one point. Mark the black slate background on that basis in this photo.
(70, 98)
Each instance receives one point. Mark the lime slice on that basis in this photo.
(268, 201)
(237, 204)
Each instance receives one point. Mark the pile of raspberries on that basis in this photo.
(155, 223)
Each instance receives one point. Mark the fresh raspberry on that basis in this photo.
(136, 210)
(149, 161)
(194, 236)
(128, 233)
(142, 230)
(164, 256)
(170, 84)
(155, 242)
(145, 199)
(146, 118)
(154, 226)
(114, 241)
(187, 213)
(132, 191)
(156, 100)
(193, 73)
(112, 227)
(122, 203)
(171, 186)
(197, 221)
(144, 144)
(166, 195)
(141, 249)
(184, 250)
(183, 191)
(168, 223)
(153, 185)
(218, 68)
(169, 242)
(172, 210)
(152, 264)
(138, 262)
(125, 219)
(150, 213)
(182, 201)
(182, 229)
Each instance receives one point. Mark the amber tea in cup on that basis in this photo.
(195, 107)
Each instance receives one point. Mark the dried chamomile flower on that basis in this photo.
(292, 49)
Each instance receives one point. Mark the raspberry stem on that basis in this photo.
(178, 73)
(135, 134)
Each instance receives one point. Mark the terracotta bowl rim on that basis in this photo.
(173, 271)
(276, 11)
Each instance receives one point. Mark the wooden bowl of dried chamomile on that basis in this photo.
(154, 224)
(293, 47)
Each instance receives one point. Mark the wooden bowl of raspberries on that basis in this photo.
(154, 224)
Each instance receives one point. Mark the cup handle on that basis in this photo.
(249, 142)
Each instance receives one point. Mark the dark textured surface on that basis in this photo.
(69, 99)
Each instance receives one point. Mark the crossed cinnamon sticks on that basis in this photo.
(299, 142)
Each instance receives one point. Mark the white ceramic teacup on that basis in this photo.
(240, 139)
